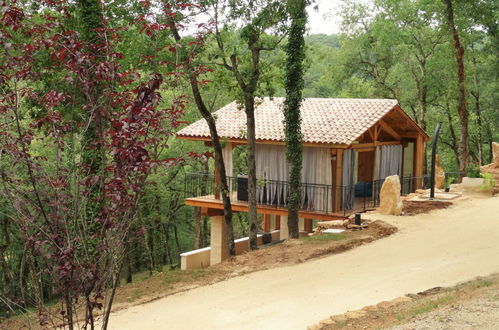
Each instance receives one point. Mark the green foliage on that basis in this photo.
(324, 238)
(488, 181)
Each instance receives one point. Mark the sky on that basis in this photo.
(326, 19)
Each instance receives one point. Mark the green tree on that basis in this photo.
(257, 19)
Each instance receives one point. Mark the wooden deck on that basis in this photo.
(209, 202)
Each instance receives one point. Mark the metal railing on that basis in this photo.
(319, 198)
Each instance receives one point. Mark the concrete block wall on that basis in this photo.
(201, 258)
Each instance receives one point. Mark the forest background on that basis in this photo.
(390, 49)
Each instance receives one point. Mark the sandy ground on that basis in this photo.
(437, 249)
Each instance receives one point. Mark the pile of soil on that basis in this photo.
(418, 207)
(297, 251)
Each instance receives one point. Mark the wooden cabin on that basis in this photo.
(349, 147)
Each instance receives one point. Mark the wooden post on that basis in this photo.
(418, 161)
(307, 225)
(339, 180)
(266, 223)
(277, 222)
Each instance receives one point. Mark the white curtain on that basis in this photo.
(227, 155)
(348, 179)
(271, 172)
(390, 161)
(316, 173)
(317, 176)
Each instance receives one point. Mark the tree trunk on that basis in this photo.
(127, 263)
(252, 214)
(201, 106)
(489, 142)
(478, 112)
(7, 275)
(166, 229)
(294, 84)
(454, 143)
(198, 228)
(462, 108)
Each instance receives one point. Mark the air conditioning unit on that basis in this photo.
(242, 187)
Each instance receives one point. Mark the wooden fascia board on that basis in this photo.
(426, 137)
(388, 129)
(244, 141)
(211, 207)
(373, 144)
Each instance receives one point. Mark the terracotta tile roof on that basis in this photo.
(336, 121)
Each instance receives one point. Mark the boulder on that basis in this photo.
(390, 201)
(493, 168)
(495, 152)
(439, 174)
(331, 224)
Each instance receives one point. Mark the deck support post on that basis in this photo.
(277, 222)
(418, 162)
(307, 225)
(339, 181)
(218, 242)
(284, 231)
(266, 222)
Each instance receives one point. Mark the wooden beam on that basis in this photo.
(374, 144)
(271, 142)
(266, 222)
(338, 181)
(371, 134)
(377, 130)
(426, 137)
(307, 225)
(418, 156)
(418, 161)
(388, 129)
(209, 212)
(262, 209)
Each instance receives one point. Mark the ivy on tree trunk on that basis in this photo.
(295, 51)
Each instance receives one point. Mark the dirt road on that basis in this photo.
(439, 249)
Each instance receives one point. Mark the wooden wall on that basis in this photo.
(366, 166)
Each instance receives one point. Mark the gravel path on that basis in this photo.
(437, 249)
(477, 313)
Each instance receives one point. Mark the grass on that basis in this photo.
(424, 308)
(324, 238)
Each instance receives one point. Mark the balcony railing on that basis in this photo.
(319, 198)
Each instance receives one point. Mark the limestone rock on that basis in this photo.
(390, 202)
(495, 152)
(327, 321)
(493, 168)
(355, 314)
(439, 173)
(402, 299)
(330, 224)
